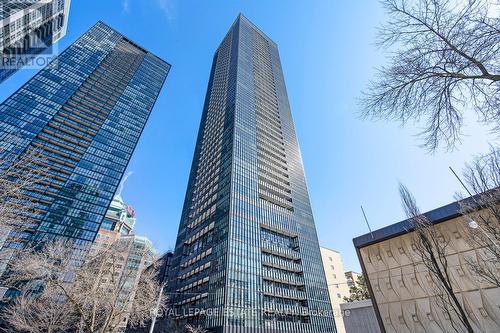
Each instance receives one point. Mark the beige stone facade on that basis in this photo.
(404, 290)
(337, 283)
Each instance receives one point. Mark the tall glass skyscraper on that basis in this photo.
(247, 257)
(82, 117)
(28, 28)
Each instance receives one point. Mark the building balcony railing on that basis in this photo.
(284, 293)
(291, 279)
(281, 263)
(286, 308)
(280, 251)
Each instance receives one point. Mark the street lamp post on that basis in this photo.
(474, 225)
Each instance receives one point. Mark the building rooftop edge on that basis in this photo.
(134, 42)
(242, 16)
(353, 272)
(356, 304)
(327, 248)
(434, 216)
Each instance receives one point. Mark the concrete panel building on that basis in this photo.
(405, 293)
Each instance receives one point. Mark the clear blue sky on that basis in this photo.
(328, 56)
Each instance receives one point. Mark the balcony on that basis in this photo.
(286, 308)
(291, 279)
(280, 251)
(281, 263)
(284, 293)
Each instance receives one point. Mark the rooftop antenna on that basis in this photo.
(122, 183)
(366, 220)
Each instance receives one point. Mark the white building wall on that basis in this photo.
(337, 283)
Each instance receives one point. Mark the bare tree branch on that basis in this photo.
(18, 177)
(195, 329)
(34, 314)
(447, 61)
(431, 246)
(101, 292)
(483, 181)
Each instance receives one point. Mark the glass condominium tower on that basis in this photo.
(27, 28)
(247, 257)
(82, 116)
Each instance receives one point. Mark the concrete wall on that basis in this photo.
(405, 291)
(359, 317)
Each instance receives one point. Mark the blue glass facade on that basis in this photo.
(247, 257)
(83, 115)
(28, 28)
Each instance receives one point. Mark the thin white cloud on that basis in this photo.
(125, 6)
(167, 8)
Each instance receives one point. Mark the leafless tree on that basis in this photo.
(38, 313)
(482, 178)
(39, 277)
(195, 329)
(431, 247)
(17, 176)
(100, 291)
(446, 60)
(18, 210)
